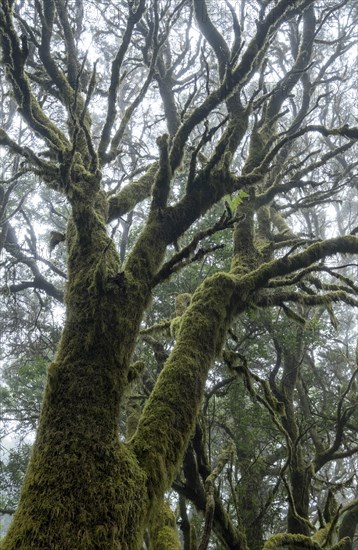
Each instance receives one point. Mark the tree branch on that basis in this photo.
(132, 20)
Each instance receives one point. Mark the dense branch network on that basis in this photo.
(228, 150)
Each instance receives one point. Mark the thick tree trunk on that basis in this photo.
(83, 488)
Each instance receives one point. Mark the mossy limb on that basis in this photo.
(170, 413)
(163, 529)
(289, 540)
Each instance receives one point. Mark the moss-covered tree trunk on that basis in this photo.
(83, 488)
(298, 511)
(300, 473)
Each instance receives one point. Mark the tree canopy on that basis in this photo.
(178, 209)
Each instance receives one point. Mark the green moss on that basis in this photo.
(182, 301)
(81, 481)
(277, 406)
(175, 325)
(135, 370)
(132, 194)
(148, 253)
(321, 535)
(93, 304)
(169, 415)
(193, 537)
(90, 495)
(290, 540)
(163, 327)
(163, 530)
(343, 544)
(167, 540)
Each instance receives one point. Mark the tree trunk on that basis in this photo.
(83, 488)
(297, 517)
(349, 523)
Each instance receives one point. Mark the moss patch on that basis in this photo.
(291, 541)
(163, 530)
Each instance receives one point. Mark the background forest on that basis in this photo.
(248, 109)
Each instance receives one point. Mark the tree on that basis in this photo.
(249, 121)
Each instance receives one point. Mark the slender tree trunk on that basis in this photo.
(298, 512)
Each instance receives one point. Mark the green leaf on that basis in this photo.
(235, 201)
